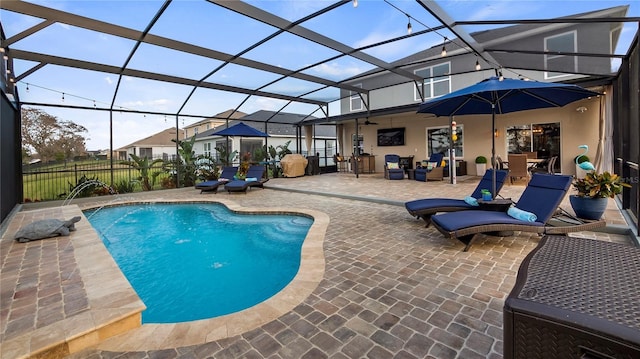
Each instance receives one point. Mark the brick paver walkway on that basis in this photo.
(391, 288)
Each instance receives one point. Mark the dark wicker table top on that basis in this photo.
(595, 278)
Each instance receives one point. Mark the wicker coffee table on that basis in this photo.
(575, 298)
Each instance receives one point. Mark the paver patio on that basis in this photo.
(391, 288)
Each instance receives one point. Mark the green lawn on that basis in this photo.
(54, 181)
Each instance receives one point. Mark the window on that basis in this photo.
(543, 139)
(250, 146)
(438, 141)
(195, 130)
(357, 144)
(437, 82)
(146, 152)
(208, 126)
(560, 43)
(355, 101)
(207, 149)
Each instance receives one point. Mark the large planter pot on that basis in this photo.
(481, 168)
(588, 208)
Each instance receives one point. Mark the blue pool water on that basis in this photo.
(195, 261)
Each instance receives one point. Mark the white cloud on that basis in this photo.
(108, 80)
(334, 69)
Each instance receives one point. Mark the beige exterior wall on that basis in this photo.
(576, 128)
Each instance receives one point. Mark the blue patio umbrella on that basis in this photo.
(497, 96)
(240, 129)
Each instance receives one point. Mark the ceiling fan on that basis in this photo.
(367, 122)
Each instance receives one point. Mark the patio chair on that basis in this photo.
(541, 197)
(518, 167)
(392, 169)
(212, 186)
(427, 207)
(547, 166)
(253, 179)
(341, 163)
(433, 171)
(501, 165)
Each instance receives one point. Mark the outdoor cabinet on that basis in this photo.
(461, 168)
(575, 298)
(406, 163)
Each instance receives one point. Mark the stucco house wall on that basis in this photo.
(576, 128)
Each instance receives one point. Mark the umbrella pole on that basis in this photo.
(452, 157)
(493, 150)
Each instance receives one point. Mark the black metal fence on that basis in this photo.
(44, 182)
(627, 130)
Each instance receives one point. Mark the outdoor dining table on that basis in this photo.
(530, 160)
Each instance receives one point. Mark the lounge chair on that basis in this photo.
(253, 179)
(541, 197)
(212, 186)
(426, 207)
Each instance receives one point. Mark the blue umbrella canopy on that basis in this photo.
(242, 130)
(498, 96)
(495, 96)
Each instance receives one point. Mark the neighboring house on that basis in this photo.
(156, 146)
(211, 122)
(280, 126)
(547, 132)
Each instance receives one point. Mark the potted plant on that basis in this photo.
(481, 165)
(593, 193)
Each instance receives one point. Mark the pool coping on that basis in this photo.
(113, 306)
(308, 277)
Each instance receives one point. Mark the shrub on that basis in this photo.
(125, 186)
(581, 158)
(481, 159)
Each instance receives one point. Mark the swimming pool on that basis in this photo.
(200, 260)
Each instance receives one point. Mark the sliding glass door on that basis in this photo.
(543, 140)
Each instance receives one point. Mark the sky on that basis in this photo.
(211, 27)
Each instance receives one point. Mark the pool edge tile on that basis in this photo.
(310, 273)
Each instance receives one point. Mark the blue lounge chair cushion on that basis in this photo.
(544, 194)
(254, 172)
(212, 185)
(458, 220)
(486, 182)
(426, 203)
(207, 184)
(541, 198)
